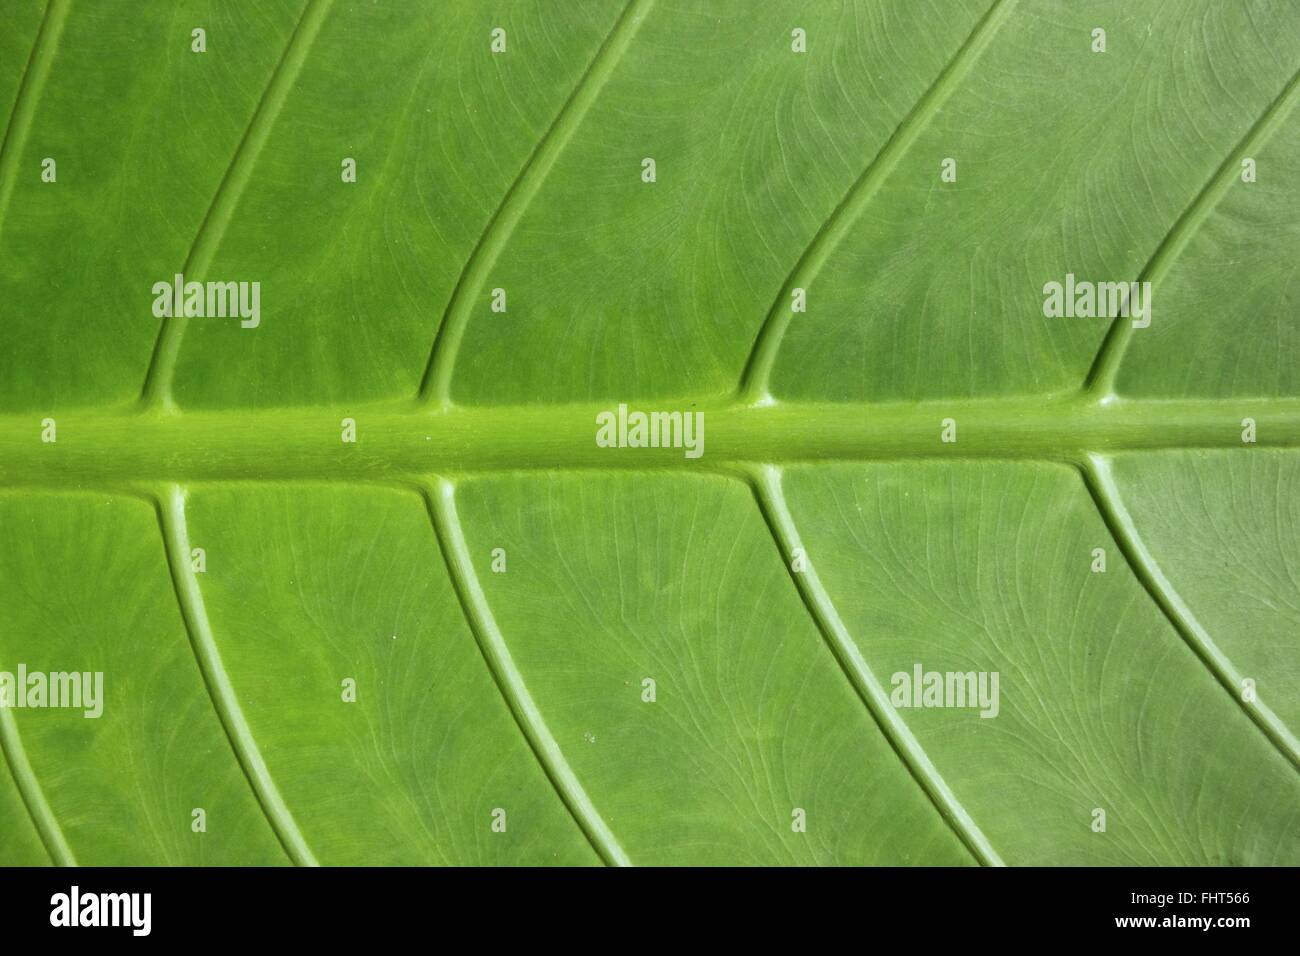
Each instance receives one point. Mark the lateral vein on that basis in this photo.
(47, 825)
(435, 388)
(171, 518)
(440, 500)
(29, 93)
(157, 388)
(765, 482)
(1105, 367)
(1100, 480)
(762, 358)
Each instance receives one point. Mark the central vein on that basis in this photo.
(395, 443)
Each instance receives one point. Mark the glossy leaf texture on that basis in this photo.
(366, 588)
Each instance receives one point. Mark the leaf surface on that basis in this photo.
(476, 636)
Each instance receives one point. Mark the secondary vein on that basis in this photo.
(47, 825)
(440, 500)
(171, 518)
(766, 484)
(436, 386)
(762, 358)
(157, 388)
(29, 93)
(1105, 368)
(1100, 479)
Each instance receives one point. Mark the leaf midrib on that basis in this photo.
(402, 441)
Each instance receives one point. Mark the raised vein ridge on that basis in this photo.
(436, 386)
(47, 826)
(162, 364)
(1105, 368)
(440, 500)
(400, 443)
(1105, 493)
(758, 368)
(29, 93)
(171, 517)
(766, 484)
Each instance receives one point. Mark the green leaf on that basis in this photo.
(363, 582)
